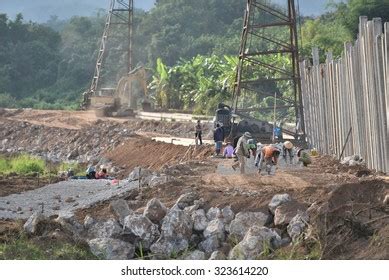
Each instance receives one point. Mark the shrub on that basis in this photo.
(25, 164)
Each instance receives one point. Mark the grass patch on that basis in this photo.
(22, 164)
(25, 164)
(22, 248)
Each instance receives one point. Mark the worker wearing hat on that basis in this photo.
(242, 152)
(287, 149)
(269, 155)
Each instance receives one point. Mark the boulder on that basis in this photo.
(256, 240)
(210, 244)
(195, 255)
(186, 200)
(164, 247)
(228, 215)
(285, 212)
(107, 229)
(297, 225)
(142, 228)
(31, 225)
(244, 220)
(89, 222)
(278, 200)
(215, 228)
(70, 224)
(139, 173)
(156, 180)
(200, 221)
(155, 210)
(177, 224)
(213, 213)
(217, 255)
(111, 249)
(120, 209)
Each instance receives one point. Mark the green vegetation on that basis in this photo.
(23, 248)
(29, 165)
(22, 164)
(190, 48)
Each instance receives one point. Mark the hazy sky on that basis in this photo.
(41, 10)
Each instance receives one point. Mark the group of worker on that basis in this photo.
(265, 155)
(246, 147)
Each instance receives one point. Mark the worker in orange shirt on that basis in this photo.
(269, 155)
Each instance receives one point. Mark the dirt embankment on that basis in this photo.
(151, 154)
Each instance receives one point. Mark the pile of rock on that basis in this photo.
(59, 144)
(187, 230)
(353, 160)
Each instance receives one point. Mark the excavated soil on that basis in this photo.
(151, 154)
(351, 221)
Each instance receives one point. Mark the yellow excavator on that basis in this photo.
(124, 99)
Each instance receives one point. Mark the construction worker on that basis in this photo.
(198, 133)
(304, 157)
(102, 174)
(252, 147)
(287, 149)
(228, 151)
(242, 152)
(218, 137)
(91, 172)
(268, 155)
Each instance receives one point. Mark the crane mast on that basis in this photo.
(120, 13)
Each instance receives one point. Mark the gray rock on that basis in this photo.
(285, 212)
(120, 209)
(89, 222)
(31, 225)
(70, 224)
(278, 200)
(297, 225)
(213, 213)
(142, 228)
(200, 221)
(177, 224)
(186, 200)
(195, 255)
(256, 240)
(228, 214)
(190, 209)
(157, 180)
(244, 220)
(210, 244)
(139, 172)
(108, 229)
(217, 255)
(155, 210)
(111, 249)
(215, 228)
(164, 247)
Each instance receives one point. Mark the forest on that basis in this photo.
(188, 47)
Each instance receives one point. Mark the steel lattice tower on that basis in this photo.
(268, 31)
(120, 13)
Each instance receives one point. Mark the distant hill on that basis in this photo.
(41, 10)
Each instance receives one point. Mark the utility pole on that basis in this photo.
(269, 39)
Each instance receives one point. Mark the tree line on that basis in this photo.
(189, 47)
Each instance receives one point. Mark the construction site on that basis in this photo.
(169, 196)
